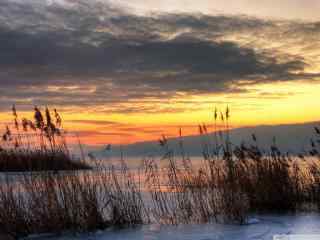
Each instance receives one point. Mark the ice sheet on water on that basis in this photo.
(260, 228)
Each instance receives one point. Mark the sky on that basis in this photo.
(126, 71)
(281, 9)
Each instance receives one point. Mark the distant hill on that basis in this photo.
(293, 138)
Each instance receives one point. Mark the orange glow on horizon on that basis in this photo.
(280, 103)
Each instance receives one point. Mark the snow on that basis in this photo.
(262, 227)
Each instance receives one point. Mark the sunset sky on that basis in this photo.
(122, 71)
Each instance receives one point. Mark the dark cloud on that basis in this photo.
(48, 56)
(94, 122)
(89, 53)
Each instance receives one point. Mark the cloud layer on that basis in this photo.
(80, 53)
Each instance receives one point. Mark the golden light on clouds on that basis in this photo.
(276, 103)
(121, 74)
(281, 9)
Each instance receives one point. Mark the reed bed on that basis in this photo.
(47, 202)
(37, 145)
(229, 184)
(24, 160)
(232, 182)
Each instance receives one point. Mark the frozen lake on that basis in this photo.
(261, 228)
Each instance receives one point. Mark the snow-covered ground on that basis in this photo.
(260, 228)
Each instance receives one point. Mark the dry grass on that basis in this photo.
(44, 199)
(230, 183)
(38, 145)
(35, 160)
(47, 202)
